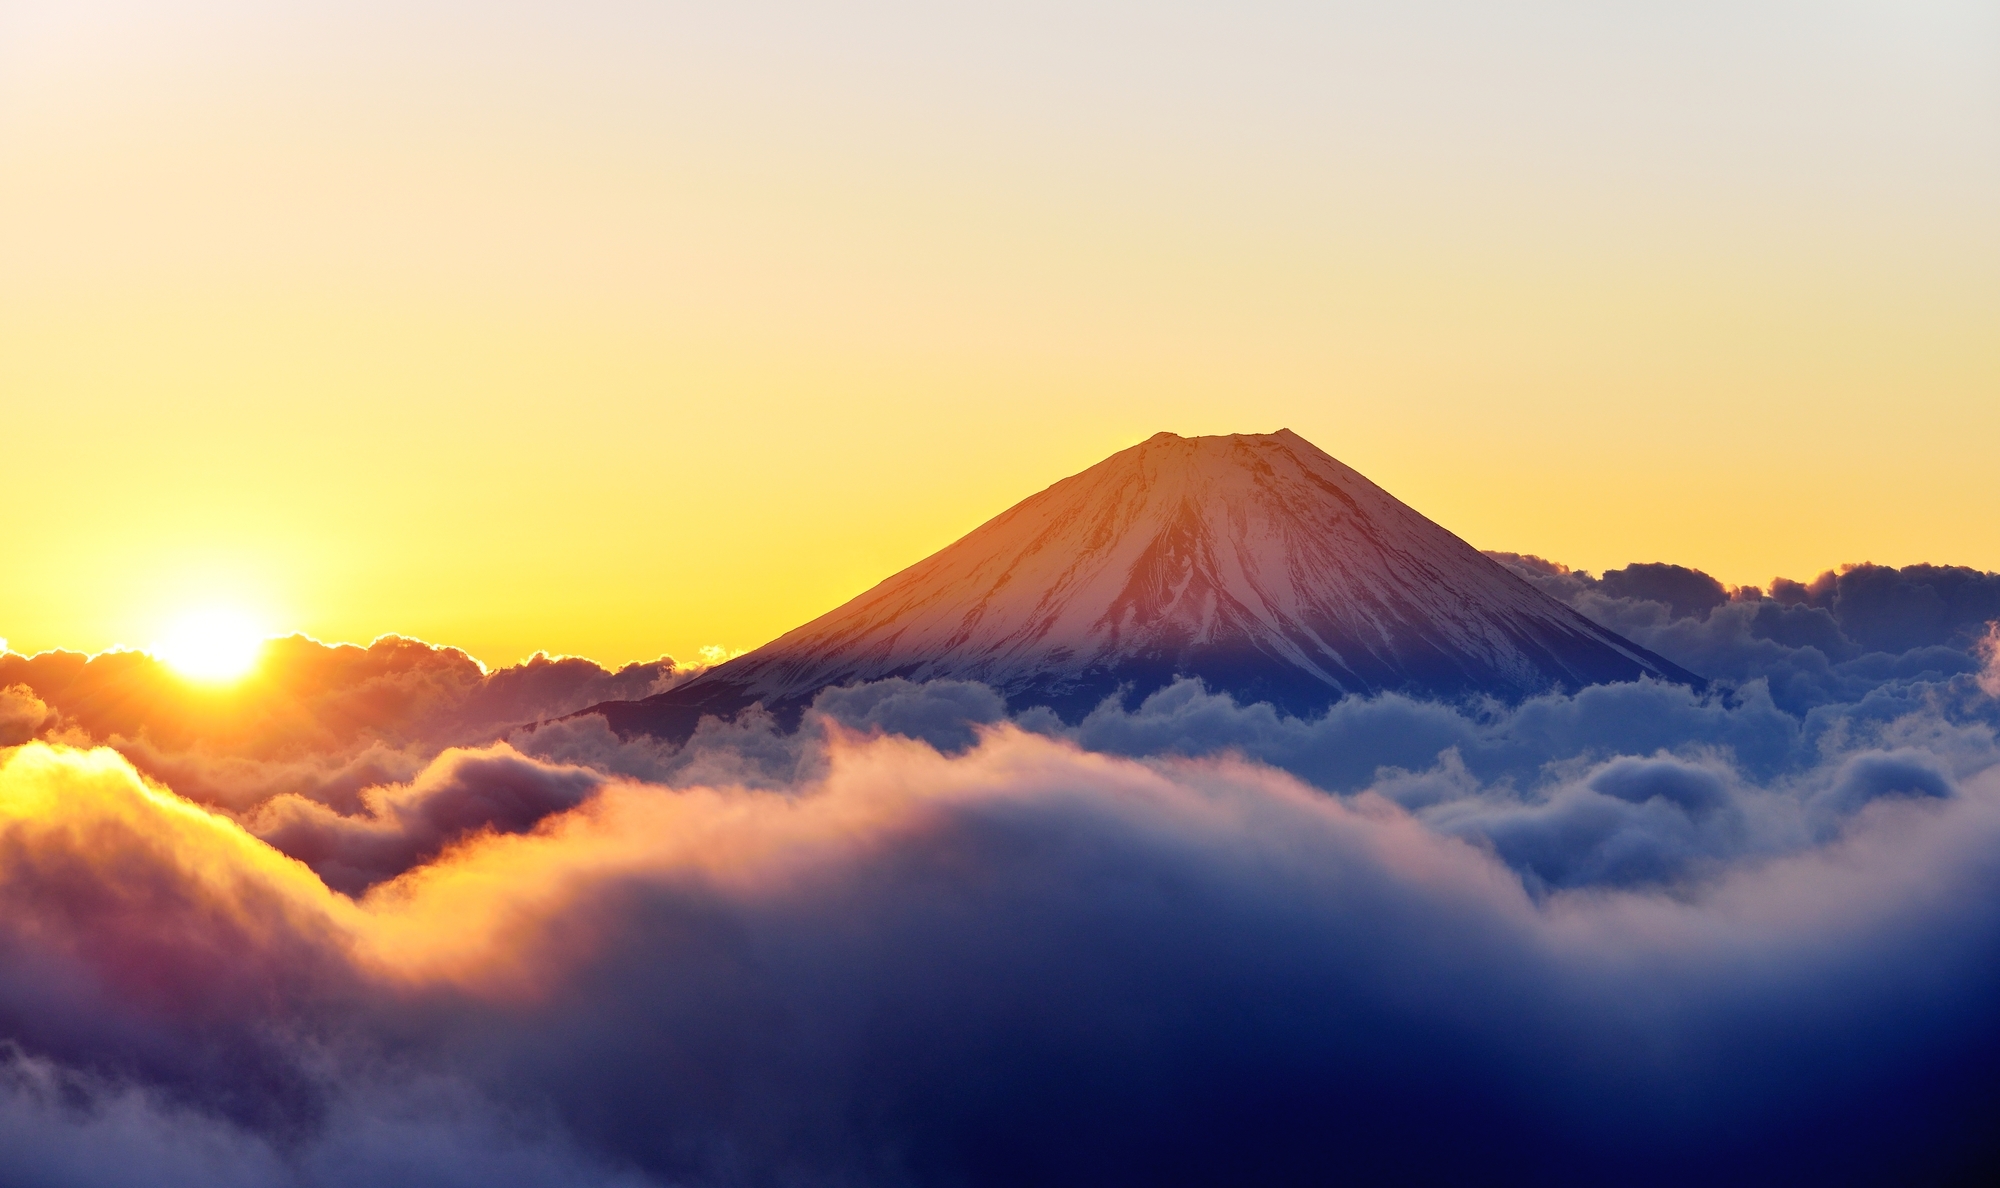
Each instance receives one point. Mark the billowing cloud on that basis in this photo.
(460, 794)
(1686, 593)
(1020, 961)
(22, 715)
(1637, 934)
(316, 720)
(1833, 640)
(1343, 748)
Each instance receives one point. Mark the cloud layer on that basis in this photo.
(1025, 962)
(1638, 934)
(318, 720)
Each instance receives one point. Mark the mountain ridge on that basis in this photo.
(1256, 562)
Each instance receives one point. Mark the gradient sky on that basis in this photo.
(622, 328)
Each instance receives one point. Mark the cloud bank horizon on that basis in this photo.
(379, 914)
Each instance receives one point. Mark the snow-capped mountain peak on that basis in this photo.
(1254, 561)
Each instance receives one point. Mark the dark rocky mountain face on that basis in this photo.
(1257, 563)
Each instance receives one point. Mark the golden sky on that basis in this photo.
(619, 329)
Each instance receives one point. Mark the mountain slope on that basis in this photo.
(1256, 562)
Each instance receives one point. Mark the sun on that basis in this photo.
(212, 645)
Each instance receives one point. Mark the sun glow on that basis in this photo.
(212, 645)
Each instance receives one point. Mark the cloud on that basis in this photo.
(1020, 962)
(22, 715)
(143, 937)
(417, 925)
(1874, 607)
(1830, 641)
(317, 720)
(941, 713)
(459, 794)
(60, 1127)
(753, 750)
(1866, 778)
(1687, 593)
(1628, 823)
(1895, 610)
(1345, 748)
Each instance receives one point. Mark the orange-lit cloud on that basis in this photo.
(319, 720)
(22, 715)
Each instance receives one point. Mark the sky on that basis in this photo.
(622, 329)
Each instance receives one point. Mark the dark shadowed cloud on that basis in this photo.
(1031, 963)
(460, 794)
(1833, 640)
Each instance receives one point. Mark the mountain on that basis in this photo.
(1256, 562)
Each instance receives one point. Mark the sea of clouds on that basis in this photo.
(384, 917)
